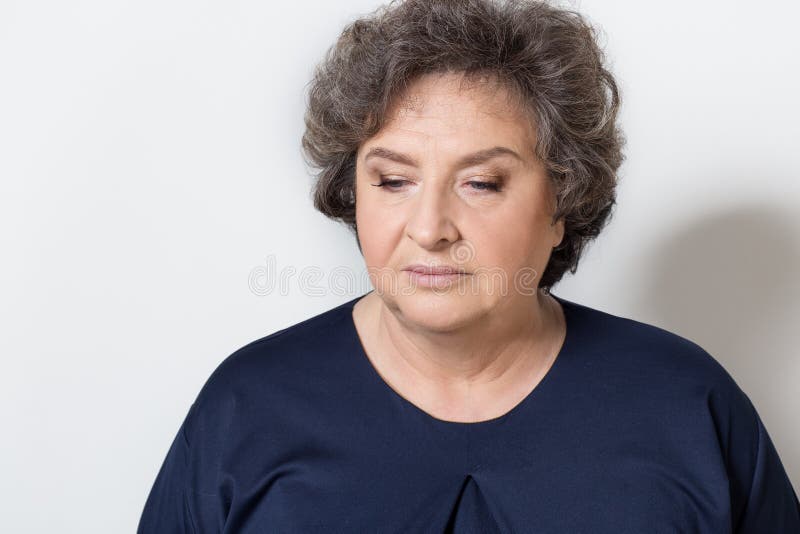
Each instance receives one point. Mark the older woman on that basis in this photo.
(472, 146)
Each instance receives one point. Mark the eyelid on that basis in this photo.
(485, 177)
(494, 184)
(394, 178)
(481, 178)
(497, 178)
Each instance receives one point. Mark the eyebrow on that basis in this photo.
(474, 158)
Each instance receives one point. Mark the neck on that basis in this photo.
(499, 349)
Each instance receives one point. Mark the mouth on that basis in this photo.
(435, 276)
(433, 270)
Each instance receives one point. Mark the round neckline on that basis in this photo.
(551, 374)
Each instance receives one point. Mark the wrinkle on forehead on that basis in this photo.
(492, 96)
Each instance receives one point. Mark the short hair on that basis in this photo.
(547, 56)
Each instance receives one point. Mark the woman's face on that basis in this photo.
(447, 200)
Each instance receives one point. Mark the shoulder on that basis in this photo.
(662, 377)
(290, 346)
(266, 371)
(657, 373)
(642, 350)
(648, 377)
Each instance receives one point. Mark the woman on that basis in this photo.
(473, 148)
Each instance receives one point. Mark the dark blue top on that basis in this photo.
(632, 430)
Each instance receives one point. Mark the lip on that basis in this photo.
(434, 269)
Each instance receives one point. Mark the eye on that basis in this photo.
(485, 185)
(489, 184)
(390, 184)
(476, 185)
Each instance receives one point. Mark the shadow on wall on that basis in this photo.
(729, 282)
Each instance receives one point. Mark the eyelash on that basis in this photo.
(490, 186)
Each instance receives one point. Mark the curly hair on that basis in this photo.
(546, 56)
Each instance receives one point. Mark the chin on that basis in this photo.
(438, 311)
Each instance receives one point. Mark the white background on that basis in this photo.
(150, 163)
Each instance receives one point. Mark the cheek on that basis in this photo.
(377, 234)
(515, 237)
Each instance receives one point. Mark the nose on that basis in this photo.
(430, 224)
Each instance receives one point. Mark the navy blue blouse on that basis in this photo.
(632, 430)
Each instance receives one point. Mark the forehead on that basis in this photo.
(448, 105)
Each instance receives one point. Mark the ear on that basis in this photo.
(558, 232)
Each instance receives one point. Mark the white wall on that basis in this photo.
(149, 162)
